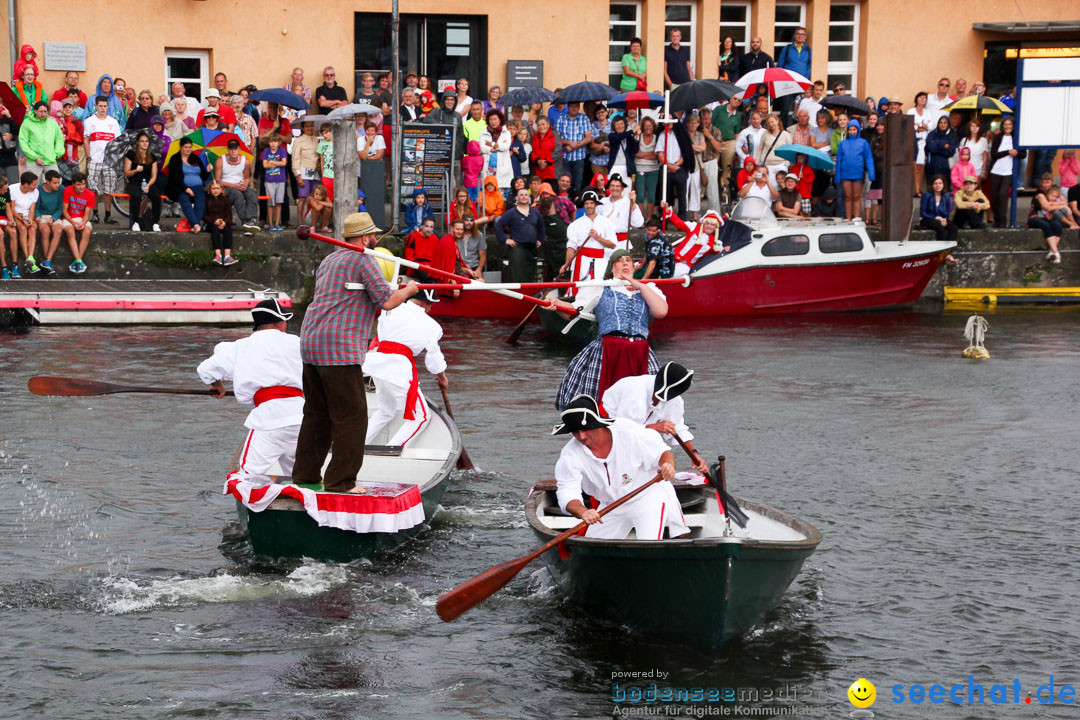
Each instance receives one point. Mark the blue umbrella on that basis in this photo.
(817, 159)
(585, 91)
(279, 96)
(526, 96)
(637, 99)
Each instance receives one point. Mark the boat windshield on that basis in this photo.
(754, 211)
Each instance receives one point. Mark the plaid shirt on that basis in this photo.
(573, 129)
(337, 324)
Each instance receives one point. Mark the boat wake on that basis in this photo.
(121, 595)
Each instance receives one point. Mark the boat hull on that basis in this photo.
(859, 285)
(288, 531)
(479, 304)
(699, 593)
(284, 529)
(863, 284)
(582, 333)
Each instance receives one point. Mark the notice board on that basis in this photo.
(428, 161)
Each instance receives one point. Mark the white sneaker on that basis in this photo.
(157, 228)
(135, 227)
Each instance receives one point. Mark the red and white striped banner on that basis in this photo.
(387, 507)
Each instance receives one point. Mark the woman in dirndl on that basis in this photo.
(622, 347)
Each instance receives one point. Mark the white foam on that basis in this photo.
(122, 595)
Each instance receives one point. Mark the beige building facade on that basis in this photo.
(878, 47)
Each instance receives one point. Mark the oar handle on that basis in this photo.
(446, 402)
(304, 232)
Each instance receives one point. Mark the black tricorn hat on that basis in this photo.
(581, 414)
(269, 312)
(672, 381)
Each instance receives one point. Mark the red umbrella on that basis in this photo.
(777, 81)
(636, 100)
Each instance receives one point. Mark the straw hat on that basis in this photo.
(358, 224)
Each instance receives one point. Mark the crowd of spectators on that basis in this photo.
(713, 155)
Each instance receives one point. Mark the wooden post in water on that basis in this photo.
(345, 166)
(899, 171)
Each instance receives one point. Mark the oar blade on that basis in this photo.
(512, 338)
(464, 462)
(455, 603)
(68, 387)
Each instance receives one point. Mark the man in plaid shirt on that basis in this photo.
(574, 132)
(335, 333)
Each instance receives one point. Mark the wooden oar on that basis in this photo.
(729, 506)
(469, 594)
(512, 338)
(77, 387)
(464, 462)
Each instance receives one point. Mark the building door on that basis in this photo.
(443, 47)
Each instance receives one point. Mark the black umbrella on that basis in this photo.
(585, 91)
(848, 103)
(124, 143)
(280, 96)
(699, 93)
(526, 96)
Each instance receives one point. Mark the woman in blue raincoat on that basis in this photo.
(854, 161)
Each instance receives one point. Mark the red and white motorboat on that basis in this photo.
(786, 265)
(793, 265)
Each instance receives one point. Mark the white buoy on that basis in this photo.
(975, 332)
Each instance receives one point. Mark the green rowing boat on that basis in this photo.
(701, 591)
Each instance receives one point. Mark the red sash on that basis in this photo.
(388, 347)
(586, 252)
(622, 237)
(276, 392)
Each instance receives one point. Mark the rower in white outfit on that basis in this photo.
(590, 240)
(608, 459)
(623, 212)
(266, 372)
(655, 401)
(403, 333)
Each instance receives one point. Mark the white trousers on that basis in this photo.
(693, 191)
(712, 183)
(265, 447)
(390, 402)
(647, 514)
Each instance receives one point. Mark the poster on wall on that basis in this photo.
(427, 162)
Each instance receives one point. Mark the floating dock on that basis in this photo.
(131, 302)
(992, 297)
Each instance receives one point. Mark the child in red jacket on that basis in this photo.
(26, 59)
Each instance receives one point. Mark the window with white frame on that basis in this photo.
(191, 67)
(735, 21)
(624, 24)
(789, 16)
(682, 16)
(844, 45)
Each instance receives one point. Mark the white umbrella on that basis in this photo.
(347, 111)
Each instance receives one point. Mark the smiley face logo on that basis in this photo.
(862, 693)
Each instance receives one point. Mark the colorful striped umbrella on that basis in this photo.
(212, 143)
(777, 81)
